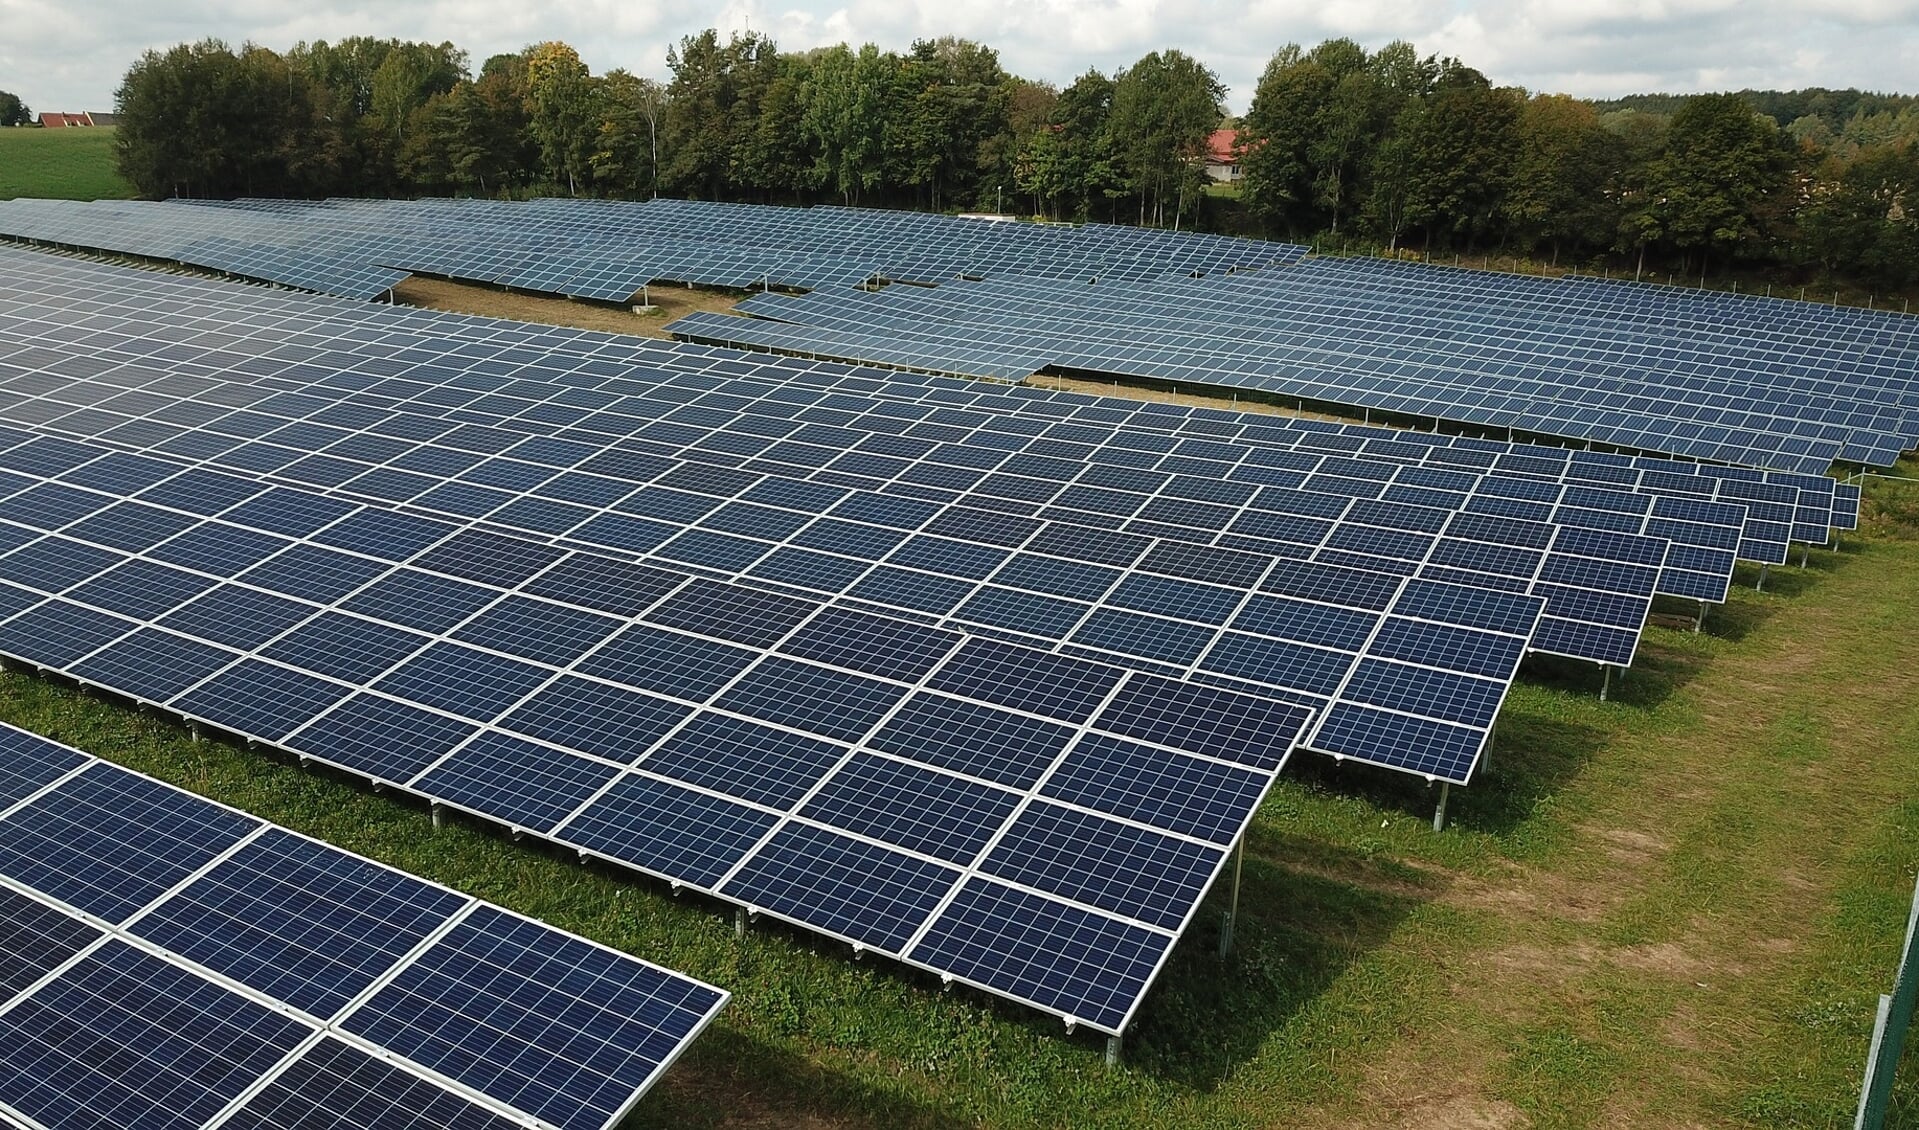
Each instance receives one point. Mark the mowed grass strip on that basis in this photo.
(60, 164)
(1673, 908)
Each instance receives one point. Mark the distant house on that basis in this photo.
(1222, 156)
(62, 121)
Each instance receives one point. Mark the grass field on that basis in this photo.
(1675, 908)
(61, 164)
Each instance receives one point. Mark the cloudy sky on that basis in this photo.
(70, 54)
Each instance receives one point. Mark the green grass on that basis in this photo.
(1674, 907)
(60, 164)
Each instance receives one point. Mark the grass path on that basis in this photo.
(1672, 909)
(1702, 948)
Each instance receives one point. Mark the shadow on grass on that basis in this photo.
(729, 1078)
(1307, 913)
(1531, 758)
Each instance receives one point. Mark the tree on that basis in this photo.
(1564, 163)
(626, 153)
(1638, 140)
(563, 112)
(1721, 164)
(776, 155)
(201, 120)
(14, 112)
(845, 118)
(1449, 161)
(953, 101)
(1164, 108)
(1088, 155)
(713, 107)
(1860, 221)
(1315, 123)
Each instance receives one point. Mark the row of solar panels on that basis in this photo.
(1326, 332)
(1026, 595)
(167, 962)
(608, 250)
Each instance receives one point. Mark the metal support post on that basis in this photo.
(1805, 555)
(1700, 624)
(739, 922)
(1760, 585)
(1439, 814)
(1605, 682)
(1232, 909)
(439, 815)
(194, 729)
(1113, 1048)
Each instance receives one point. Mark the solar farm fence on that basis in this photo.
(1889, 1031)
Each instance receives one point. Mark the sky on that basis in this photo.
(69, 55)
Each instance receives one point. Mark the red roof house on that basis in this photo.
(1222, 155)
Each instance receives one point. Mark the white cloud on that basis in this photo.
(72, 55)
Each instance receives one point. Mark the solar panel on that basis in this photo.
(179, 961)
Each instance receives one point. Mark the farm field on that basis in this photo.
(1673, 908)
(60, 164)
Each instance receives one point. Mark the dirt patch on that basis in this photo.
(670, 303)
(1217, 398)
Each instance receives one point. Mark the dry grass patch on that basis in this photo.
(670, 301)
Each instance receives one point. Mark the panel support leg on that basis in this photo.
(1439, 813)
(1805, 555)
(739, 922)
(1699, 625)
(198, 734)
(439, 815)
(1113, 1048)
(1605, 682)
(1760, 585)
(1232, 910)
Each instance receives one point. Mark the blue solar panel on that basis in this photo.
(127, 1039)
(607, 721)
(860, 891)
(1186, 794)
(1134, 872)
(669, 829)
(332, 1084)
(108, 842)
(613, 1023)
(35, 939)
(29, 764)
(1083, 965)
(298, 921)
(923, 811)
(744, 759)
(98, 1031)
(1189, 588)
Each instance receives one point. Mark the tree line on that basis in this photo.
(1387, 148)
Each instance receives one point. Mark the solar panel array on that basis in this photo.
(787, 752)
(1598, 580)
(609, 250)
(1793, 390)
(868, 652)
(168, 962)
